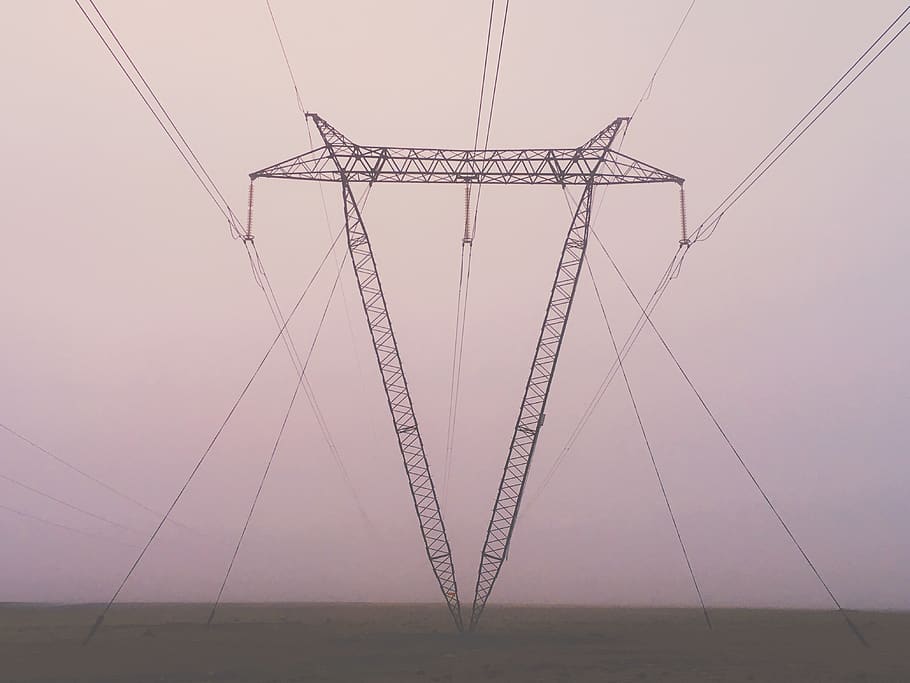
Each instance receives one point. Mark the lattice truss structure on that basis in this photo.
(594, 163)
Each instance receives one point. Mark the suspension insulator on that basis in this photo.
(684, 241)
(467, 215)
(248, 236)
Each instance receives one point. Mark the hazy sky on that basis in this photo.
(131, 320)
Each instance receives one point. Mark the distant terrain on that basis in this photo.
(346, 642)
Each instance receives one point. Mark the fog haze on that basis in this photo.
(131, 319)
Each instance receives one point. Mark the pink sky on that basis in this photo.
(131, 319)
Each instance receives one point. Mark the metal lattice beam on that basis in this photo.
(341, 160)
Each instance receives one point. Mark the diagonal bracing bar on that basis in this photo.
(533, 404)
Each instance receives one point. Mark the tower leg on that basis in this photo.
(531, 414)
(399, 399)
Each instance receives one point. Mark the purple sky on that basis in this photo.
(131, 319)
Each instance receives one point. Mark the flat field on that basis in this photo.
(402, 643)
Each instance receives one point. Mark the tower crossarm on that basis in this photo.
(593, 163)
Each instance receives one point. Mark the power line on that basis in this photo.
(707, 227)
(259, 272)
(310, 393)
(208, 449)
(300, 371)
(646, 93)
(198, 169)
(456, 377)
(185, 151)
(483, 80)
(605, 383)
(644, 434)
(287, 61)
(81, 532)
(60, 501)
(86, 475)
(461, 316)
(467, 250)
(733, 448)
(311, 397)
(268, 465)
(502, 38)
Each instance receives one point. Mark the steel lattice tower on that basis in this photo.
(594, 163)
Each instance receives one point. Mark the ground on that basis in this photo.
(402, 643)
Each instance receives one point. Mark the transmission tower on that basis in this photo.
(594, 163)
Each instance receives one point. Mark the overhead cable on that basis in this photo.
(60, 501)
(180, 143)
(185, 150)
(644, 434)
(214, 439)
(710, 223)
(271, 458)
(732, 447)
(117, 492)
(646, 93)
(707, 227)
(467, 251)
(502, 38)
(81, 532)
(287, 61)
(483, 80)
(607, 380)
(325, 210)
